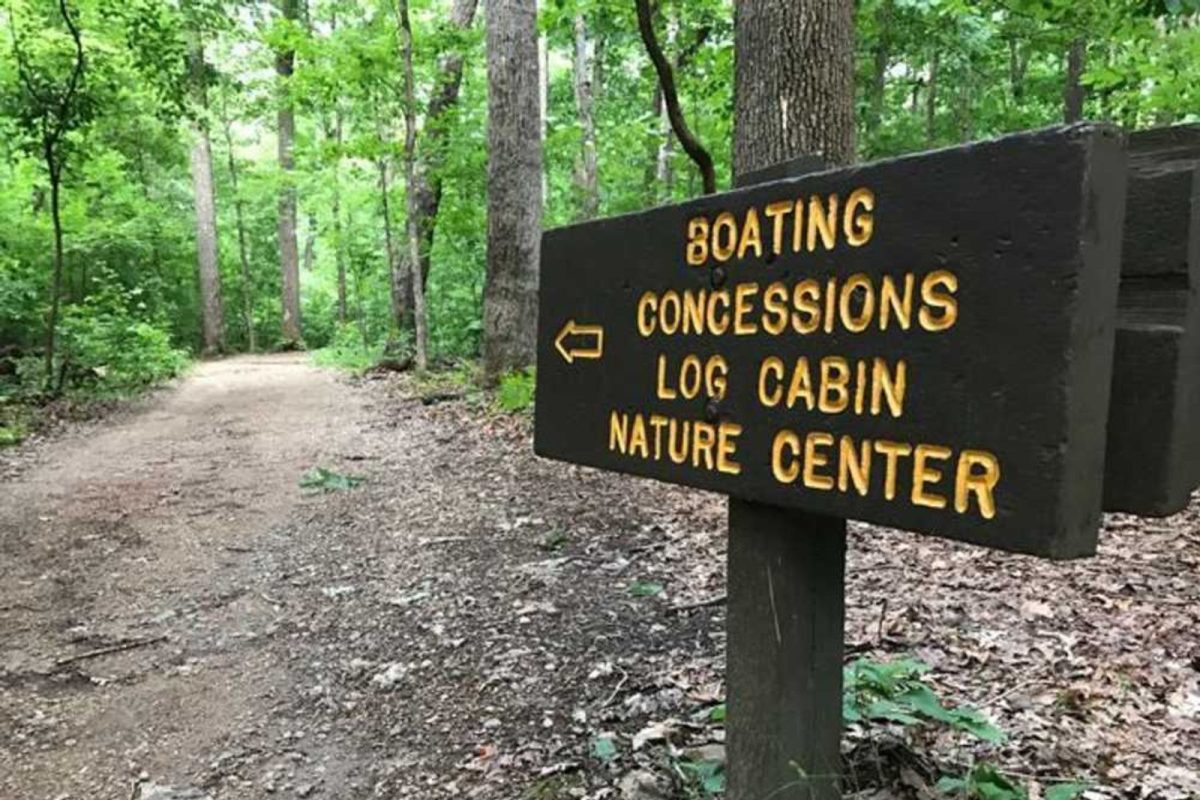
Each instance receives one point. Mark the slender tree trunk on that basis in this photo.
(666, 79)
(881, 58)
(397, 266)
(339, 247)
(289, 261)
(794, 75)
(243, 249)
(428, 178)
(931, 101)
(514, 188)
(589, 192)
(310, 244)
(413, 235)
(1073, 91)
(56, 281)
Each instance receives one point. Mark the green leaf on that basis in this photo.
(717, 714)
(1064, 791)
(646, 589)
(320, 479)
(604, 749)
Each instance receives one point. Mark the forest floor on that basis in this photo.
(469, 621)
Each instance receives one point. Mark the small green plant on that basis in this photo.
(702, 778)
(10, 436)
(515, 393)
(984, 782)
(645, 589)
(319, 479)
(604, 749)
(895, 691)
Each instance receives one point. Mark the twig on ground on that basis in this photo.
(716, 600)
(616, 690)
(271, 600)
(442, 540)
(112, 648)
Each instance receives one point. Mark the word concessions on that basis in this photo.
(924, 343)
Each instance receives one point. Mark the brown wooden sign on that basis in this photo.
(924, 342)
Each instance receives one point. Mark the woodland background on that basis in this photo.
(334, 143)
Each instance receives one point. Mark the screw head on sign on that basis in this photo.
(718, 277)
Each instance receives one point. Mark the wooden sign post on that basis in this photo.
(924, 343)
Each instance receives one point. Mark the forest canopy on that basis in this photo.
(164, 162)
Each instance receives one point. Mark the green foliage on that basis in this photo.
(646, 589)
(985, 782)
(348, 351)
(604, 749)
(319, 479)
(703, 778)
(515, 392)
(895, 691)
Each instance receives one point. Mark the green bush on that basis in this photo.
(515, 393)
(105, 349)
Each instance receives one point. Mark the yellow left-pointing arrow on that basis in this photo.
(594, 333)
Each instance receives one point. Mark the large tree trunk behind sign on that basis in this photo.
(1073, 91)
(289, 256)
(514, 188)
(794, 81)
(794, 97)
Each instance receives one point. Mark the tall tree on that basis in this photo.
(247, 280)
(427, 178)
(52, 106)
(1073, 91)
(289, 256)
(211, 314)
(514, 194)
(794, 97)
(412, 233)
(589, 191)
(794, 101)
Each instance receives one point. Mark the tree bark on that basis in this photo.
(427, 181)
(412, 233)
(397, 267)
(1073, 91)
(794, 81)
(243, 250)
(589, 192)
(212, 315)
(514, 188)
(56, 280)
(666, 79)
(289, 257)
(339, 247)
(793, 97)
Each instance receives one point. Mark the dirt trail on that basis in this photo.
(149, 528)
(471, 621)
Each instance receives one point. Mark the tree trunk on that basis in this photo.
(931, 101)
(212, 316)
(243, 250)
(794, 97)
(428, 178)
(289, 260)
(397, 267)
(881, 56)
(666, 79)
(310, 244)
(514, 188)
(1073, 92)
(589, 193)
(412, 234)
(339, 248)
(794, 83)
(56, 280)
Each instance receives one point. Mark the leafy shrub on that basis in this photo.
(895, 691)
(515, 392)
(106, 350)
(985, 782)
